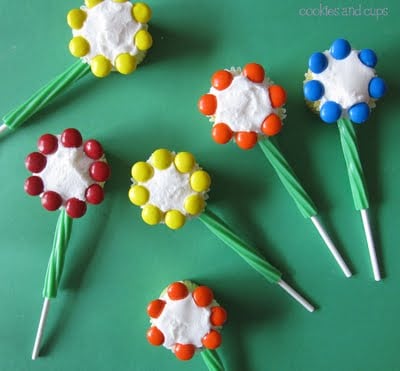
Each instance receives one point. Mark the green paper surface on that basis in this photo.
(116, 264)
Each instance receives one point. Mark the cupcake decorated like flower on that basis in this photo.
(169, 187)
(67, 172)
(186, 318)
(243, 105)
(110, 35)
(342, 82)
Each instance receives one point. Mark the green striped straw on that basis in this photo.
(357, 184)
(250, 255)
(44, 96)
(212, 360)
(54, 272)
(303, 201)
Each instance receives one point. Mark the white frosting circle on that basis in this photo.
(243, 105)
(110, 29)
(67, 172)
(345, 81)
(183, 322)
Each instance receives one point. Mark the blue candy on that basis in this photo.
(317, 62)
(359, 113)
(313, 90)
(368, 57)
(330, 112)
(340, 49)
(376, 88)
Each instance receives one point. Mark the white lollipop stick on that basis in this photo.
(371, 244)
(39, 333)
(295, 295)
(331, 246)
(3, 127)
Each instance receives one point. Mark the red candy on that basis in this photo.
(218, 316)
(155, 336)
(212, 340)
(203, 296)
(35, 162)
(99, 171)
(93, 149)
(75, 208)
(51, 200)
(221, 79)
(71, 138)
(48, 144)
(272, 125)
(33, 185)
(184, 351)
(221, 133)
(155, 308)
(94, 194)
(208, 104)
(254, 72)
(177, 291)
(246, 139)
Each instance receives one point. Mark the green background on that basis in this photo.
(116, 264)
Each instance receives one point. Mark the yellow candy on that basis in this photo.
(151, 214)
(200, 181)
(184, 162)
(141, 12)
(92, 3)
(142, 171)
(161, 159)
(125, 63)
(76, 18)
(143, 40)
(79, 46)
(174, 219)
(138, 195)
(194, 204)
(101, 66)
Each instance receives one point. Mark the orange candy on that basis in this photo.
(177, 291)
(277, 95)
(155, 308)
(184, 351)
(155, 336)
(272, 125)
(208, 104)
(203, 296)
(212, 340)
(254, 72)
(246, 139)
(221, 133)
(221, 79)
(218, 316)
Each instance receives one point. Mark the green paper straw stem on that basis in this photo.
(357, 184)
(300, 196)
(212, 360)
(249, 254)
(54, 272)
(288, 178)
(43, 96)
(353, 162)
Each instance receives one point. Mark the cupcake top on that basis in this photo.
(243, 105)
(342, 82)
(185, 318)
(169, 187)
(67, 172)
(110, 35)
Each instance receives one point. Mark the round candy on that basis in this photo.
(368, 57)
(246, 139)
(330, 112)
(99, 171)
(93, 149)
(94, 194)
(212, 340)
(177, 291)
(218, 316)
(51, 200)
(155, 336)
(184, 351)
(208, 104)
(71, 138)
(317, 62)
(33, 185)
(340, 49)
(75, 208)
(359, 113)
(35, 162)
(47, 144)
(203, 296)
(313, 90)
(221, 79)
(377, 88)
(221, 133)
(254, 72)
